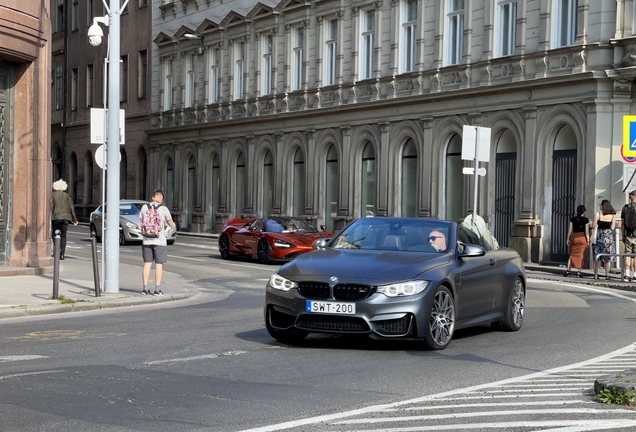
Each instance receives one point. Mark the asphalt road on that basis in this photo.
(208, 364)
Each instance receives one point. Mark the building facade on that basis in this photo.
(25, 165)
(78, 85)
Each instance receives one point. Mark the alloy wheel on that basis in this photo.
(442, 318)
(224, 247)
(518, 303)
(263, 252)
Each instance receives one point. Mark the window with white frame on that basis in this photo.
(189, 88)
(298, 58)
(213, 77)
(564, 23)
(266, 66)
(239, 68)
(367, 41)
(505, 27)
(331, 51)
(408, 18)
(454, 34)
(167, 84)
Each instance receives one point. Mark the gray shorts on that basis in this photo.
(154, 253)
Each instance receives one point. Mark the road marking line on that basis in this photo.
(4, 359)
(185, 258)
(563, 426)
(438, 396)
(482, 414)
(481, 405)
(585, 288)
(29, 374)
(201, 357)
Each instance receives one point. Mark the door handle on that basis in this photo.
(492, 262)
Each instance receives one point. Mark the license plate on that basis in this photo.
(330, 307)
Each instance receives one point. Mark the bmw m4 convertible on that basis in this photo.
(398, 278)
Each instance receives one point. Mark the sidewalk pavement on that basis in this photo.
(27, 291)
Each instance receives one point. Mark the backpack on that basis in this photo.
(630, 218)
(151, 223)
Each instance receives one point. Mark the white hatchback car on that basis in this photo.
(129, 230)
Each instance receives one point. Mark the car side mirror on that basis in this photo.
(319, 243)
(470, 250)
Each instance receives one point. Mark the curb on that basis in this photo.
(624, 382)
(21, 311)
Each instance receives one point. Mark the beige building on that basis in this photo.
(78, 85)
(25, 165)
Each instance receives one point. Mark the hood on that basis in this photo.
(374, 266)
(297, 238)
(132, 218)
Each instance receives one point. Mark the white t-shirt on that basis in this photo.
(165, 216)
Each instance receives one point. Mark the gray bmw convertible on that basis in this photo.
(398, 278)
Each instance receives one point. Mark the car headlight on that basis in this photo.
(282, 244)
(403, 288)
(280, 283)
(132, 225)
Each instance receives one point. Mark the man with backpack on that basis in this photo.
(154, 219)
(628, 227)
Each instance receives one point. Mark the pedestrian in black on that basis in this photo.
(62, 212)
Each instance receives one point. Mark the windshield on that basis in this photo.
(130, 208)
(288, 225)
(424, 235)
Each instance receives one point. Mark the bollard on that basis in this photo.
(56, 264)
(98, 291)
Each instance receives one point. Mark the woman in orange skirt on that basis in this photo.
(578, 240)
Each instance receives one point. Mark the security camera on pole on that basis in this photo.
(113, 138)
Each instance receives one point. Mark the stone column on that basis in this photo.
(382, 175)
(31, 184)
(425, 165)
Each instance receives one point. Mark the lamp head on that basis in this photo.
(95, 34)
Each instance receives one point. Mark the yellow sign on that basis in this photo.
(628, 149)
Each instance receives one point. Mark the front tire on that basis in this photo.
(122, 238)
(224, 247)
(263, 252)
(442, 322)
(93, 228)
(516, 309)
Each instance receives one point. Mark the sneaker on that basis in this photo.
(145, 292)
(567, 273)
(157, 293)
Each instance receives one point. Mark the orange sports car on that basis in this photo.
(268, 239)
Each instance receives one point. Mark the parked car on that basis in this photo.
(268, 239)
(398, 278)
(129, 231)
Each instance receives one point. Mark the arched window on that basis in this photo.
(215, 187)
(454, 192)
(142, 171)
(88, 179)
(331, 188)
(56, 158)
(241, 184)
(268, 184)
(192, 189)
(169, 184)
(298, 181)
(505, 169)
(74, 177)
(564, 180)
(123, 174)
(409, 179)
(368, 181)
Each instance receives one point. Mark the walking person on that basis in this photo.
(604, 222)
(154, 219)
(628, 228)
(62, 213)
(578, 240)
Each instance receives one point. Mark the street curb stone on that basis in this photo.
(625, 384)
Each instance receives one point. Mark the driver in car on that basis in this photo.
(437, 240)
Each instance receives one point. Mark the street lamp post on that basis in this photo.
(111, 235)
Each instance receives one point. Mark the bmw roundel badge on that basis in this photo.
(333, 279)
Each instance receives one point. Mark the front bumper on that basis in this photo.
(378, 316)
